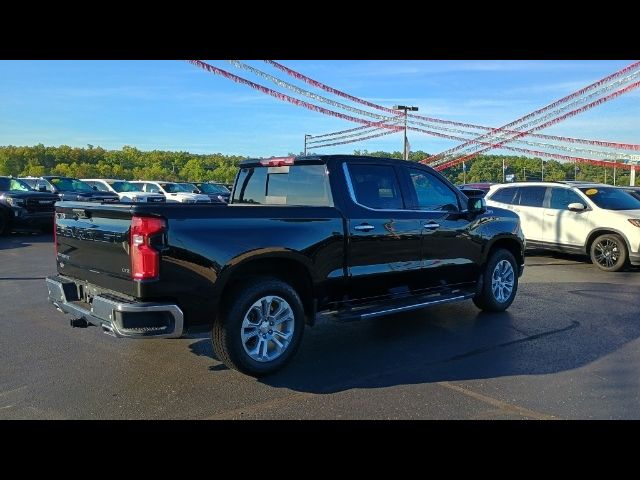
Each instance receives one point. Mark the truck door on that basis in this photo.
(384, 238)
(451, 254)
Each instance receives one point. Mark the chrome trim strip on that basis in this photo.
(414, 306)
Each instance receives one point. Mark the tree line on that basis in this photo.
(132, 164)
(488, 168)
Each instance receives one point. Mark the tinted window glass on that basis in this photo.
(99, 185)
(70, 185)
(13, 185)
(611, 198)
(376, 186)
(531, 196)
(432, 193)
(504, 195)
(151, 188)
(288, 185)
(213, 188)
(562, 197)
(121, 187)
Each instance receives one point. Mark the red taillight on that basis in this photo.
(277, 162)
(145, 260)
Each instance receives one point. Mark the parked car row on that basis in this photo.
(27, 203)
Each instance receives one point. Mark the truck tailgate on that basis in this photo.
(93, 244)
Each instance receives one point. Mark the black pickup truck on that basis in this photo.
(22, 208)
(356, 237)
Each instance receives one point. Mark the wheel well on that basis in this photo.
(287, 270)
(508, 244)
(597, 233)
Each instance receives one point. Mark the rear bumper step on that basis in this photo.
(117, 316)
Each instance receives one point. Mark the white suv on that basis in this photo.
(127, 191)
(593, 219)
(173, 192)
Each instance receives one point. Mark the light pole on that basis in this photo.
(306, 136)
(405, 108)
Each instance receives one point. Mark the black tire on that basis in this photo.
(618, 254)
(486, 299)
(226, 332)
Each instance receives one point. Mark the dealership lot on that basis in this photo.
(569, 347)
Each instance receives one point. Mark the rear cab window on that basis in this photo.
(305, 184)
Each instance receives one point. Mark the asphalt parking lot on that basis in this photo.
(568, 348)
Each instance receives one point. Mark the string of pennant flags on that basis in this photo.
(472, 139)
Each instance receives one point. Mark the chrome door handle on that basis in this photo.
(431, 225)
(364, 227)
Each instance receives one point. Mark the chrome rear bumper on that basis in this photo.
(117, 316)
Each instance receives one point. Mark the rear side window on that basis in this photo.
(530, 196)
(504, 195)
(562, 197)
(306, 185)
(376, 186)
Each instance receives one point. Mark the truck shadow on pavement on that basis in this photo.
(19, 240)
(537, 336)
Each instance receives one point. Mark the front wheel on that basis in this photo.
(261, 330)
(500, 282)
(609, 252)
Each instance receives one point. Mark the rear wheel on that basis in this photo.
(609, 252)
(500, 282)
(262, 329)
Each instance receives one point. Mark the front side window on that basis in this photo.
(562, 197)
(530, 196)
(151, 188)
(376, 186)
(432, 193)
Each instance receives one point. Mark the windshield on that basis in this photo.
(213, 188)
(70, 185)
(13, 185)
(190, 187)
(175, 188)
(610, 198)
(121, 187)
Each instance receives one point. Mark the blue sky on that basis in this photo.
(173, 105)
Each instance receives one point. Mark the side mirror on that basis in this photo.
(42, 188)
(476, 205)
(576, 207)
(95, 188)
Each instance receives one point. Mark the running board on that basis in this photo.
(404, 305)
